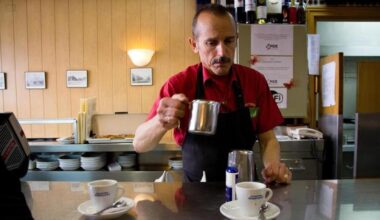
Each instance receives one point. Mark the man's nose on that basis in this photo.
(221, 49)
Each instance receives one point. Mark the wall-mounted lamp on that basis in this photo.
(140, 57)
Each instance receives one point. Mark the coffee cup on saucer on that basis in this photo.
(251, 196)
(103, 193)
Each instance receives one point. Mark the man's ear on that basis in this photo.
(193, 44)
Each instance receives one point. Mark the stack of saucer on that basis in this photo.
(127, 160)
(175, 163)
(69, 162)
(47, 163)
(93, 161)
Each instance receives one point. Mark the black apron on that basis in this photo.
(209, 153)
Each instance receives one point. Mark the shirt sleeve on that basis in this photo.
(167, 90)
(269, 115)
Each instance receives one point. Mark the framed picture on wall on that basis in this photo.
(35, 80)
(76, 78)
(141, 77)
(3, 82)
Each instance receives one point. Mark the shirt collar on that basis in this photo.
(207, 75)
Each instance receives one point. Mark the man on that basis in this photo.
(247, 107)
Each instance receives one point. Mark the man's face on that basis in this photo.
(215, 41)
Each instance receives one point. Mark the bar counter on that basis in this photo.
(302, 199)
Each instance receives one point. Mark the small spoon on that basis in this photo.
(117, 204)
(264, 207)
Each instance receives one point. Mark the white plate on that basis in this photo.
(108, 140)
(232, 211)
(87, 209)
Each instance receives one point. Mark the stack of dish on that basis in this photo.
(127, 160)
(32, 164)
(175, 163)
(93, 161)
(69, 162)
(65, 140)
(47, 163)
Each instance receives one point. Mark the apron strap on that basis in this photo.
(199, 92)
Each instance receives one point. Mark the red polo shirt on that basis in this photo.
(219, 88)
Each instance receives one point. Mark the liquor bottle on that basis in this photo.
(261, 11)
(250, 11)
(202, 3)
(285, 8)
(230, 7)
(222, 3)
(292, 13)
(239, 11)
(231, 178)
(274, 13)
(301, 17)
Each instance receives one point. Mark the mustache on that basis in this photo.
(221, 60)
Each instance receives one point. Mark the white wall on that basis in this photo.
(351, 38)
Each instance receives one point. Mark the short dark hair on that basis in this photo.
(215, 9)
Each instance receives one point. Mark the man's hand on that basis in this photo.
(171, 110)
(277, 172)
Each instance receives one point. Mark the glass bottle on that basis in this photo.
(261, 11)
(301, 17)
(285, 8)
(250, 11)
(239, 11)
(292, 13)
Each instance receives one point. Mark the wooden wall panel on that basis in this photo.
(21, 54)
(48, 63)
(75, 49)
(133, 41)
(119, 47)
(62, 63)
(35, 62)
(58, 35)
(90, 52)
(162, 56)
(148, 36)
(105, 97)
(177, 35)
(8, 56)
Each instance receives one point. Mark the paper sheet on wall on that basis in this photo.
(272, 40)
(280, 96)
(276, 69)
(313, 53)
(328, 84)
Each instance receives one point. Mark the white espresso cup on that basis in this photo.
(103, 193)
(251, 196)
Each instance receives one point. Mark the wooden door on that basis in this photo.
(368, 83)
(330, 120)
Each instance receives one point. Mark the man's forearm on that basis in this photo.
(269, 147)
(148, 135)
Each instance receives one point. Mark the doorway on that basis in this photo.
(357, 45)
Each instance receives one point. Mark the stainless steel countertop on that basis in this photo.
(306, 200)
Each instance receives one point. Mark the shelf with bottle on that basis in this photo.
(267, 11)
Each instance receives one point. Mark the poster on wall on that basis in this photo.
(272, 40)
(280, 96)
(278, 70)
(313, 53)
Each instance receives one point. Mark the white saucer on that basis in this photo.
(232, 211)
(87, 209)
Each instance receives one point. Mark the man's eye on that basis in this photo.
(229, 41)
(211, 43)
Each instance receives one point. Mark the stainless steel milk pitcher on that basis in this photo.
(244, 162)
(204, 117)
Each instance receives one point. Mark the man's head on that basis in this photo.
(214, 38)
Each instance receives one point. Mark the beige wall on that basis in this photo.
(55, 36)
